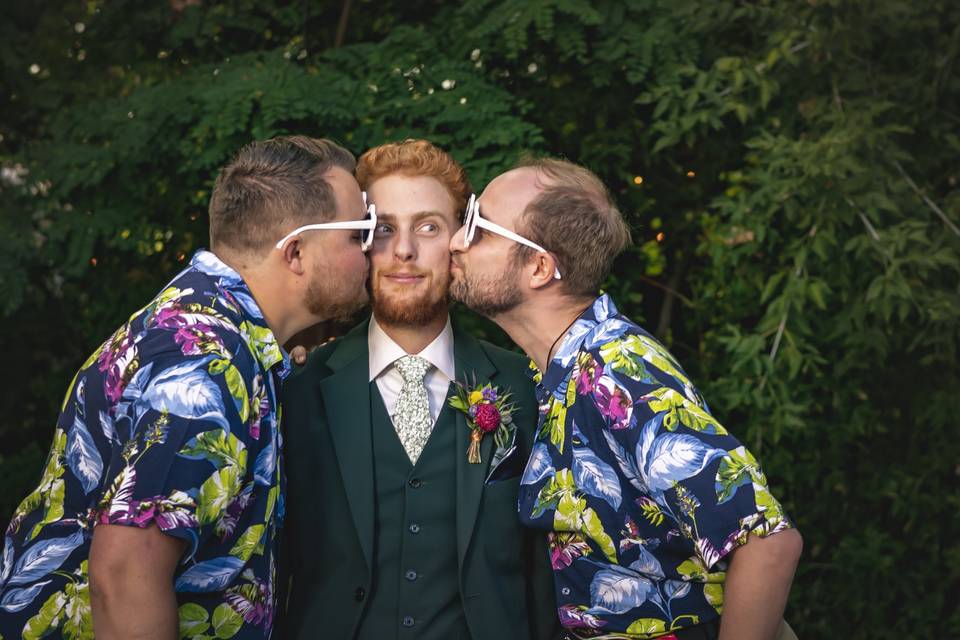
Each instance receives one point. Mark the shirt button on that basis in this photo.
(416, 483)
(414, 528)
(407, 621)
(359, 594)
(410, 575)
(565, 591)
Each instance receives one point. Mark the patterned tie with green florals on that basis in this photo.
(412, 416)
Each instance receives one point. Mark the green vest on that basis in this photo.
(415, 583)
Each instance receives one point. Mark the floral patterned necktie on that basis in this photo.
(412, 416)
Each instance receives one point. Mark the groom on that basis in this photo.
(392, 532)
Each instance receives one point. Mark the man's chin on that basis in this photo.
(408, 312)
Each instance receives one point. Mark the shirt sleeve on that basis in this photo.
(693, 467)
(180, 457)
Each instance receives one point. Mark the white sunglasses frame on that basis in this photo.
(472, 220)
(370, 224)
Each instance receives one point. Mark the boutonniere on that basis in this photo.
(488, 410)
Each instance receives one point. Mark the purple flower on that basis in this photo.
(614, 402)
(574, 617)
(472, 411)
(490, 394)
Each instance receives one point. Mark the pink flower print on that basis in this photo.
(573, 617)
(589, 374)
(614, 402)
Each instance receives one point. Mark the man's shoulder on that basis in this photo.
(316, 367)
(507, 361)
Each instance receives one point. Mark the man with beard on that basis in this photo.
(158, 510)
(392, 531)
(657, 517)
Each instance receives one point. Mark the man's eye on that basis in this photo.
(383, 229)
(429, 227)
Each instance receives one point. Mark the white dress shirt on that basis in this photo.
(383, 352)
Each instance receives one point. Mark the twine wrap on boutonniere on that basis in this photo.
(488, 410)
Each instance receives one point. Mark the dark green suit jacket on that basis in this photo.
(506, 584)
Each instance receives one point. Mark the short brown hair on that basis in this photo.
(271, 186)
(575, 218)
(415, 158)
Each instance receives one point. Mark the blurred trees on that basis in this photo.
(790, 171)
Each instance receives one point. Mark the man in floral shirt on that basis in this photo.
(158, 510)
(658, 519)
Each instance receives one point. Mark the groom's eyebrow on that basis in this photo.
(417, 217)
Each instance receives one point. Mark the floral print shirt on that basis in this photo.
(173, 421)
(642, 492)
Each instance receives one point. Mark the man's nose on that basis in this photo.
(456, 242)
(405, 246)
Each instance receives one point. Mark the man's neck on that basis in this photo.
(416, 338)
(280, 324)
(538, 327)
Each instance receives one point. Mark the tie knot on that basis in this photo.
(412, 368)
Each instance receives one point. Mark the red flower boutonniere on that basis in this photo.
(488, 410)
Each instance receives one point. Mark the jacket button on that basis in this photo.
(410, 575)
(416, 483)
(414, 528)
(359, 594)
(407, 621)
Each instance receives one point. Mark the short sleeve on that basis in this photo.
(710, 482)
(177, 461)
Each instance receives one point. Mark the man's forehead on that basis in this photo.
(513, 190)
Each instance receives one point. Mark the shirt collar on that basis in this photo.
(383, 351)
(588, 327)
(235, 295)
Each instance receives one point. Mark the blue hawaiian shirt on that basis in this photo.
(173, 421)
(642, 492)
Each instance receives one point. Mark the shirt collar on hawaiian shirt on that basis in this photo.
(383, 351)
(261, 338)
(599, 323)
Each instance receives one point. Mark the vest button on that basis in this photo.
(407, 621)
(414, 528)
(410, 575)
(359, 594)
(416, 483)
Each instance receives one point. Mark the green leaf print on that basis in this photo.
(271, 502)
(248, 542)
(736, 469)
(714, 595)
(78, 622)
(623, 360)
(216, 493)
(572, 514)
(219, 447)
(47, 619)
(226, 621)
(51, 473)
(681, 411)
(261, 341)
(647, 627)
(692, 569)
(53, 502)
(194, 620)
(553, 423)
(653, 353)
(238, 389)
(593, 527)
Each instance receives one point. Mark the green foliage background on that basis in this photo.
(800, 160)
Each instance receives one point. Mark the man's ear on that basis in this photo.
(545, 266)
(293, 256)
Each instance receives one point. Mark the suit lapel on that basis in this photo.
(472, 363)
(346, 398)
